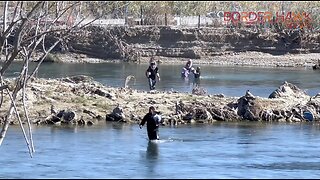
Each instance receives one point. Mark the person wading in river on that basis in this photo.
(197, 74)
(153, 121)
(151, 74)
(187, 69)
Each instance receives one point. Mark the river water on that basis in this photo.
(218, 150)
(230, 81)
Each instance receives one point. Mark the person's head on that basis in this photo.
(189, 63)
(198, 69)
(152, 59)
(153, 64)
(152, 110)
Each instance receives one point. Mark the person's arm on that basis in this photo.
(143, 121)
(158, 75)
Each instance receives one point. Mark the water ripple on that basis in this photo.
(287, 166)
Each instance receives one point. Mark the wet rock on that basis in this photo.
(51, 119)
(192, 121)
(187, 117)
(66, 115)
(77, 79)
(248, 107)
(90, 123)
(81, 122)
(116, 115)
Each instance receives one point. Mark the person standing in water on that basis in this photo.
(187, 69)
(152, 72)
(153, 121)
(197, 75)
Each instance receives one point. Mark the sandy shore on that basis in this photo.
(231, 59)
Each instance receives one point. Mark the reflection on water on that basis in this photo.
(152, 150)
(152, 154)
(288, 166)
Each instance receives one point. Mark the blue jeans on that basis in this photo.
(152, 83)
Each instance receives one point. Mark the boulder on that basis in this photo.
(116, 115)
(288, 90)
(248, 107)
(66, 115)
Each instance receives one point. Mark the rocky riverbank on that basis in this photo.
(205, 45)
(172, 45)
(81, 100)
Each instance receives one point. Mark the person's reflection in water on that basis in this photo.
(152, 159)
(152, 150)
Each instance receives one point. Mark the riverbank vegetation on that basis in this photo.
(153, 9)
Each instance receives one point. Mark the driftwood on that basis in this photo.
(128, 78)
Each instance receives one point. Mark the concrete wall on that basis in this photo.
(194, 20)
(179, 21)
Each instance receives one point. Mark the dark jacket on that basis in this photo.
(151, 122)
(197, 74)
(153, 72)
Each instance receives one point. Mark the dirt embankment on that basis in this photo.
(81, 100)
(202, 44)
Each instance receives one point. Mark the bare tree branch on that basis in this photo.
(32, 24)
